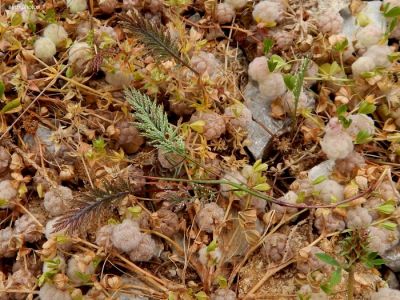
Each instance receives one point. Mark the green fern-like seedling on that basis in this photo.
(152, 121)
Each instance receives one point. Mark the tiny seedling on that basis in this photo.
(354, 250)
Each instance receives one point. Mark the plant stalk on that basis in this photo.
(350, 284)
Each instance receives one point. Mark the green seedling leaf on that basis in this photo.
(3, 202)
(341, 110)
(363, 137)
(201, 296)
(96, 261)
(392, 25)
(303, 297)
(299, 81)
(212, 246)
(259, 166)
(330, 69)
(11, 107)
(336, 277)
(171, 296)
(83, 276)
(301, 196)
(386, 208)
(198, 126)
(262, 187)
(393, 12)
(50, 16)
(275, 62)
(327, 259)
(90, 38)
(32, 27)
(135, 211)
(112, 221)
(385, 8)
(290, 81)
(268, 44)
(394, 56)
(334, 199)
(369, 74)
(363, 20)
(319, 179)
(372, 260)
(366, 108)
(62, 239)
(389, 225)
(2, 88)
(222, 282)
(99, 144)
(16, 20)
(333, 281)
(45, 276)
(341, 46)
(344, 121)
(69, 73)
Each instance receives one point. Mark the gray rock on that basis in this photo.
(391, 279)
(261, 110)
(371, 10)
(392, 258)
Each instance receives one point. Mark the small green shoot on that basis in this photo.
(341, 45)
(268, 44)
(354, 250)
(363, 137)
(319, 180)
(2, 89)
(333, 280)
(389, 225)
(275, 62)
(212, 246)
(135, 211)
(201, 296)
(222, 282)
(366, 108)
(386, 208)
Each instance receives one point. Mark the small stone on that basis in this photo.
(392, 258)
(257, 135)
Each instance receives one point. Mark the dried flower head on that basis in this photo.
(214, 124)
(45, 49)
(225, 13)
(58, 200)
(329, 22)
(56, 33)
(209, 216)
(269, 12)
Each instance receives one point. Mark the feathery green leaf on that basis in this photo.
(153, 123)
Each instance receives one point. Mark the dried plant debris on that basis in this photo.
(199, 150)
